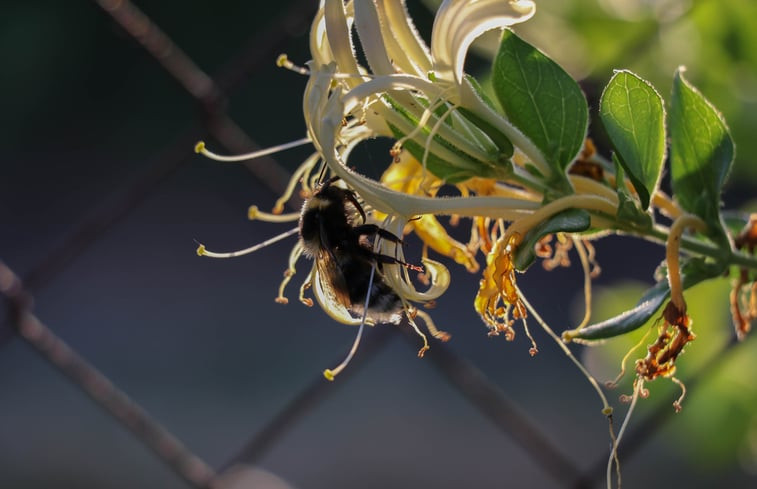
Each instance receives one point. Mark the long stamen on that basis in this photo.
(431, 327)
(254, 213)
(586, 267)
(606, 409)
(200, 148)
(637, 391)
(330, 374)
(201, 251)
(294, 255)
(284, 62)
(611, 384)
(677, 403)
(417, 330)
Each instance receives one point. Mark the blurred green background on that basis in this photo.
(98, 163)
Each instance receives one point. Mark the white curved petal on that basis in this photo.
(404, 45)
(459, 22)
(319, 43)
(371, 39)
(326, 298)
(338, 24)
(326, 110)
(438, 274)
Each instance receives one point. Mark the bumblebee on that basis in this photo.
(344, 255)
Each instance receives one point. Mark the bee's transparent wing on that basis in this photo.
(331, 292)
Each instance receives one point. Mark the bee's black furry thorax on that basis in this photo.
(344, 255)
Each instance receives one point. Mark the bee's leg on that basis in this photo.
(330, 181)
(373, 229)
(390, 260)
(350, 195)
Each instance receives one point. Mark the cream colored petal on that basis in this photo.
(326, 298)
(405, 46)
(438, 273)
(319, 43)
(339, 39)
(326, 112)
(459, 22)
(369, 30)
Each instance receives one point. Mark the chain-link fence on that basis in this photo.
(471, 413)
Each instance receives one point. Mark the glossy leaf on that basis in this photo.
(628, 207)
(632, 113)
(693, 272)
(701, 153)
(541, 100)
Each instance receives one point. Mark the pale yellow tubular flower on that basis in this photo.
(404, 45)
(319, 47)
(396, 276)
(369, 30)
(459, 22)
(339, 40)
(488, 186)
(331, 42)
(585, 185)
(376, 52)
(456, 25)
(326, 111)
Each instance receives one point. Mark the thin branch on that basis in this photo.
(314, 393)
(266, 45)
(101, 390)
(494, 403)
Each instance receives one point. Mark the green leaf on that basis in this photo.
(701, 153)
(541, 100)
(628, 207)
(568, 221)
(632, 113)
(693, 272)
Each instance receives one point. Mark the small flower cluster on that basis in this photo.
(531, 187)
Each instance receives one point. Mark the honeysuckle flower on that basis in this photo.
(449, 135)
(346, 103)
(412, 93)
(458, 154)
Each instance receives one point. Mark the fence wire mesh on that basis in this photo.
(549, 448)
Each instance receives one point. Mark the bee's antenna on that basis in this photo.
(330, 374)
(201, 251)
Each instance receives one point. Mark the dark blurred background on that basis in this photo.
(102, 199)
